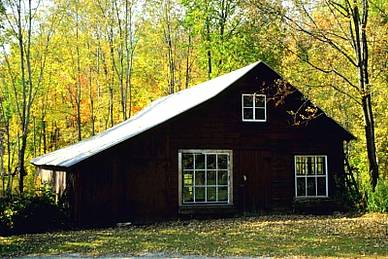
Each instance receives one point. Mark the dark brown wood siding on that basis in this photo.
(138, 179)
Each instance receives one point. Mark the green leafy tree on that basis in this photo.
(332, 37)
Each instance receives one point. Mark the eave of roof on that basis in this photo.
(156, 113)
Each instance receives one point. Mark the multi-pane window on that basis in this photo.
(254, 107)
(311, 176)
(205, 176)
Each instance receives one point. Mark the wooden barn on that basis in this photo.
(246, 141)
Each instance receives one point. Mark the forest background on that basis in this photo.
(70, 69)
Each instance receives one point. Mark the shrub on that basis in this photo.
(31, 213)
(378, 200)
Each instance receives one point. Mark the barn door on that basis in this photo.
(255, 169)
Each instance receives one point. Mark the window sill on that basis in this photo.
(247, 120)
(304, 198)
(206, 208)
(324, 205)
(206, 205)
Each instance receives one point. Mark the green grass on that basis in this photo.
(290, 235)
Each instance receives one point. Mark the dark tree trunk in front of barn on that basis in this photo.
(361, 48)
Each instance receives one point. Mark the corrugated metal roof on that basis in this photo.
(154, 114)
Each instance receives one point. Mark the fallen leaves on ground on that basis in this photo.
(277, 235)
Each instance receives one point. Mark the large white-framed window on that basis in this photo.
(205, 176)
(254, 107)
(311, 176)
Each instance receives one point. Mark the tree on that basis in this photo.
(26, 76)
(232, 34)
(170, 43)
(121, 33)
(78, 76)
(22, 32)
(2, 9)
(340, 27)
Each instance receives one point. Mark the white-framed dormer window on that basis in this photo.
(205, 176)
(311, 176)
(254, 107)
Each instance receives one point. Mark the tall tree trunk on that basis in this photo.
(130, 51)
(120, 55)
(188, 65)
(34, 135)
(225, 8)
(112, 81)
(111, 105)
(127, 35)
(9, 161)
(108, 78)
(363, 81)
(114, 70)
(23, 117)
(209, 52)
(78, 93)
(44, 136)
(170, 46)
(42, 133)
(2, 169)
(370, 140)
(91, 102)
(98, 85)
(4, 123)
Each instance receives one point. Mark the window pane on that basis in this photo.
(301, 187)
(199, 161)
(187, 194)
(311, 186)
(199, 193)
(321, 170)
(187, 161)
(199, 177)
(222, 177)
(211, 177)
(211, 161)
(321, 186)
(305, 166)
(187, 178)
(248, 113)
(259, 101)
(222, 161)
(301, 166)
(222, 193)
(298, 166)
(248, 100)
(259, 114)
(211, 193)
(298, 159)
(310, 166)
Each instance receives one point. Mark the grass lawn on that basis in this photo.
(289, 235)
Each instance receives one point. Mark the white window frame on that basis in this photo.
(254, 107)
(311, 176)
(230, 177)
